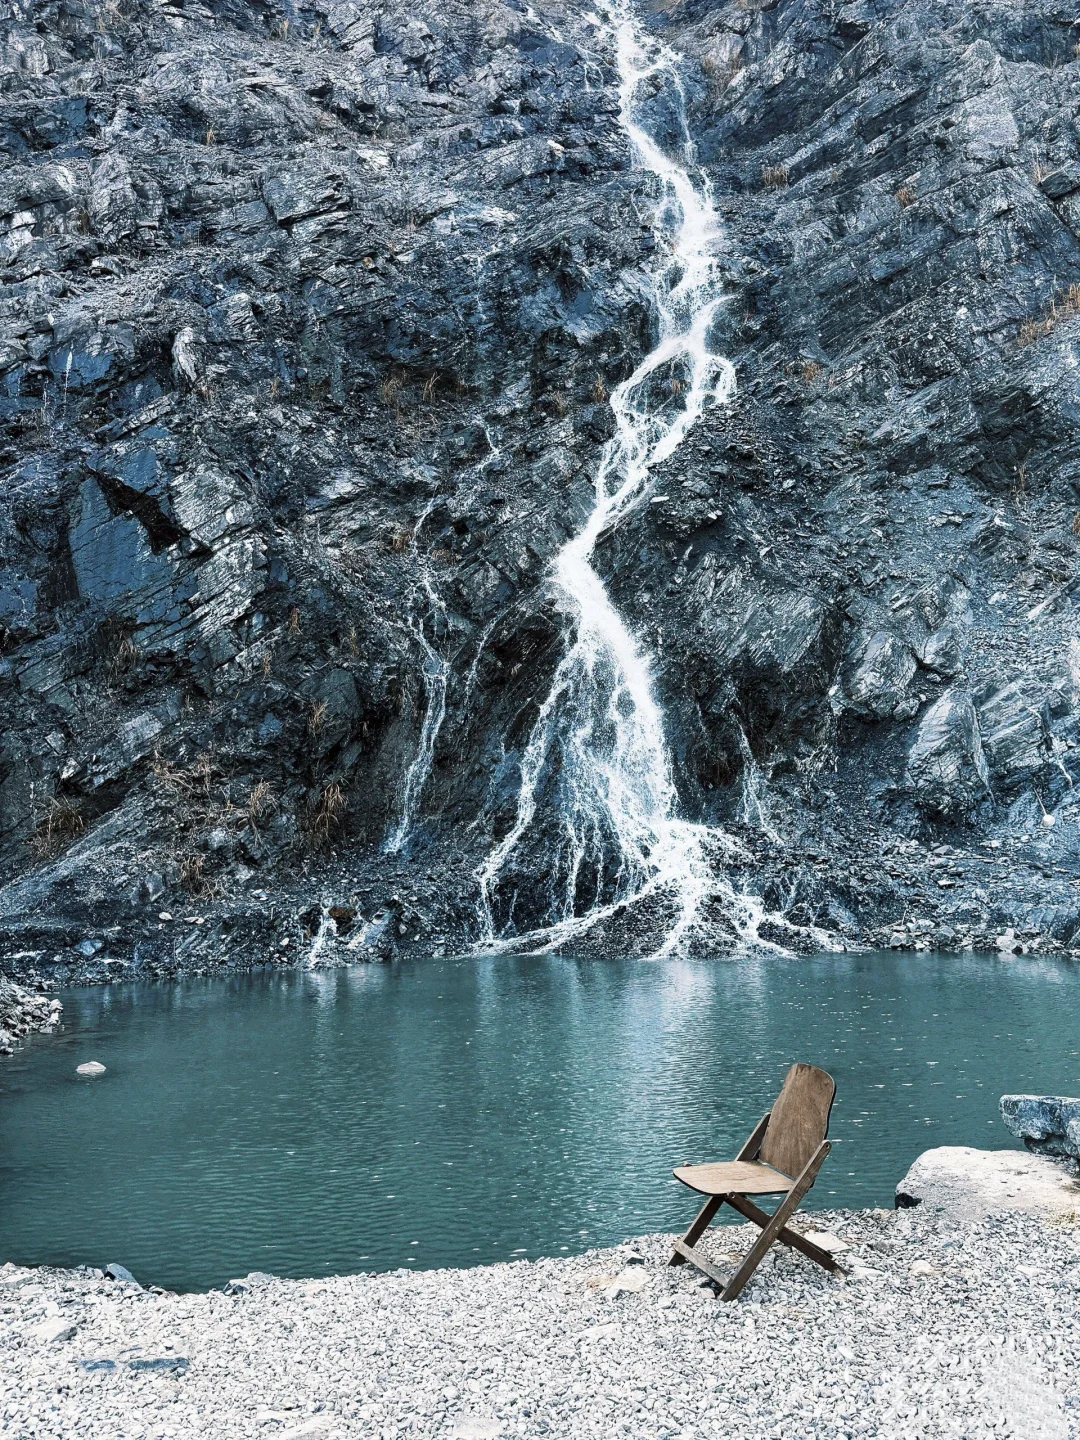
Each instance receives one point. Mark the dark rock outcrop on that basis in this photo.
(308, 317)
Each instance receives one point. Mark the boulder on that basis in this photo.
(877, 675)
(946, 767)
(51, 1331)
(90, 1067)
(970, 1184)
(1047, 1124)
(940, 651)
(1015, 734)
(112, 205)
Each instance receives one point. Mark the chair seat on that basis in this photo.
(734, 1177)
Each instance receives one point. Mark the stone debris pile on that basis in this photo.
(939, 1328)
(22, 1012)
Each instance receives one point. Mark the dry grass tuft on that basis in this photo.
(327, 815)
(123, 659)
(1062, 308)
(906, 196)
(720, 73)
(62, 823)
(391, 389)
(317, 719)
(774, 177)
(194, 878)
(191, 781)
(262, 803)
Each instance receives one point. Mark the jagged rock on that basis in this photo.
(940, 651)
(1047, 1124)
(112, 204)
(113, 1271)
(968, 1184)
(112, 555)
(22, 1012)
(185, 354)
(878, 674)
(309, 327)
(1015, 734)
(946, 766)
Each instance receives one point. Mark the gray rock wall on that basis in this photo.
(303, 305)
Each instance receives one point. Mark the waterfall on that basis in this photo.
(754, 808)
(436, 672)
(597, 793)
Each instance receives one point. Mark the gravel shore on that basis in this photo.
(938, 1329)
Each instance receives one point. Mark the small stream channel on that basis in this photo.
(458, 1112)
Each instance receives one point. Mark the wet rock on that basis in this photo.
(90, 1067)
(312, 322)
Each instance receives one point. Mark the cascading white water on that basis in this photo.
(596, 773)
(436, 672)
(436, 679)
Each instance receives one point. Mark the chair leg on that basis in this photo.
(787, 1237)
(769, 1233)
(698, 1228)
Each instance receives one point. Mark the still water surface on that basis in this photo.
(456, 1112)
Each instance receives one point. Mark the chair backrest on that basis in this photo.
(800, 1119)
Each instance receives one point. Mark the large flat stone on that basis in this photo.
(969, 1183)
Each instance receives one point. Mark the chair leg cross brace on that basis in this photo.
(773, 1227)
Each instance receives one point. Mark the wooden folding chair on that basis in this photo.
(782, 1157)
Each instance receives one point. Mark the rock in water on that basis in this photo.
(968, 1184)
(90, 1067)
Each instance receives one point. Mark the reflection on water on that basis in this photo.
(462, 1111)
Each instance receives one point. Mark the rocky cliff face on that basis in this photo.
(308, 321)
